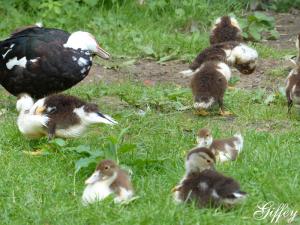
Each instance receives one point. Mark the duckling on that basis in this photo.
(225, 28)
(293, 82)
(209, 84)
(107, 179)
(67, 116)
(232, 53)
(203, 184)
(224, 149)
(30, 125)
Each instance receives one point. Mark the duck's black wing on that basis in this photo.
(34, 61)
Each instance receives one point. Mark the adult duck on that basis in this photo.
(40, 61)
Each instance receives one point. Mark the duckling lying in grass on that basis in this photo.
(224, 149)
(58, 116)
(202, 184)
(225, 28)
(107, 179)
(293, 82)
(208, 86)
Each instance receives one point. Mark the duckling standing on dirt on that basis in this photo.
(107, 179)
(208, 86)
(30, 125)
(67, 116)
(293, 82)
(204, 185)
(233, 53)
(225, 28)
(224, 149)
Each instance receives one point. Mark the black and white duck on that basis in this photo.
(41, 61)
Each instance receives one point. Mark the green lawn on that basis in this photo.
(47, 190)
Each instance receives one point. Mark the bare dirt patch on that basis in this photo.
(150, 72)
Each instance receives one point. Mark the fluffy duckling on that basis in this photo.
(65, 116)
(293, 82)
(107, 179)
(224, 149)
(233, 53)
(225, 28)
(204, 185)
(30, 125)
(208, 86)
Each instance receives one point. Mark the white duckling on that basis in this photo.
(107, 179)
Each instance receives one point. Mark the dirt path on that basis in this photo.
(151, 72)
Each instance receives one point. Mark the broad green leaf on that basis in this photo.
(83, 149)
(274, 35)
(84, 162)
(263, 17)
(59, 142)
(253, 32)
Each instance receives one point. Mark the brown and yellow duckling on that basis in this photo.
(226, 149)
(204, 185)
(208, 86)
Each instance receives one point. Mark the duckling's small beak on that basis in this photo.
(107, 119)
(102, 53)
(39, 110)
(96, 176)
(176, 188)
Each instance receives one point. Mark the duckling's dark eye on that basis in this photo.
(208, 161)
(106, 168)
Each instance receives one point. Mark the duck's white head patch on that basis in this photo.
(85, 41)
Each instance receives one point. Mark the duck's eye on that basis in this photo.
(207, 135)
(208, 161)
(106, 168)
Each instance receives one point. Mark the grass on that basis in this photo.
(126, 29)
(46, 190)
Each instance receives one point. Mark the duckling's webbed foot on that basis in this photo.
(222, 111)
(202, 112)
(51, 130)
